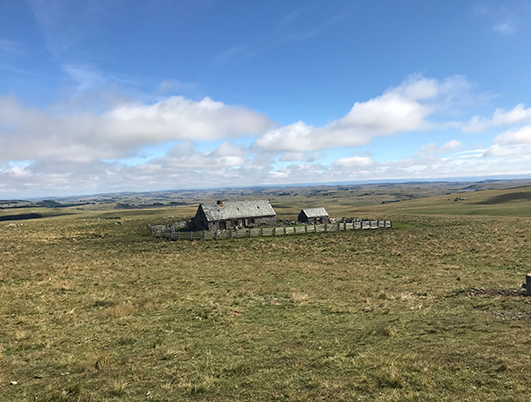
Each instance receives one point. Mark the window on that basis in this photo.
(251, 220)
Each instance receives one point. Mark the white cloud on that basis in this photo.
(400, 109)
(228, 149)
(292, 156)
(500, 117)
(184, 156)
(300, 156)
(355, 161)
(507, 150)
(511, 143)
(29, 134)
(386, 115)
(416, 87)
(450, 146)
(17, 172)
(515, 137)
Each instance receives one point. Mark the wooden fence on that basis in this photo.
(170, 231)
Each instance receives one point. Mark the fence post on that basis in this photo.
(306, 228)
(275, 231)
(326, 227)
(172, 230)
(204, 231)
(230, 234)
(285, 230)
(191, 234)
(178, 235)
(338, 227)
(294, 229)
(216, 235)
(249, 232)
(261, 231)
(315, 227)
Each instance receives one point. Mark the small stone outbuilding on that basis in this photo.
(223, 215)
(314, 216)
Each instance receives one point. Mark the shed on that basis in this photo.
(314, 216)
(223, 215)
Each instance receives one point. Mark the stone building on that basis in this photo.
(314, 216)
(222, 215)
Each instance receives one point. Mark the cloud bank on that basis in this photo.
(30, 134)
(56, 150)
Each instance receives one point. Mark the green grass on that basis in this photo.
(92, 310)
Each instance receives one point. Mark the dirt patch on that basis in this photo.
(515, 292)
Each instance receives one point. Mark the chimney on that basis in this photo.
(220, 203)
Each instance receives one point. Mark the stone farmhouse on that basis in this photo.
(314, 216)
(226, 215)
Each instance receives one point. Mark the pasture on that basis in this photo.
(431, 310)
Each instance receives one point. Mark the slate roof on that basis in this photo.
(237, 210)
(315, 212)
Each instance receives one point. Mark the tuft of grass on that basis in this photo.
(118, 388)
(389, 377)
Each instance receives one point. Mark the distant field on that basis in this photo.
(93, 308)
(511, 202)
(338, 201)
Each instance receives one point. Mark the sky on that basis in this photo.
(114, 95)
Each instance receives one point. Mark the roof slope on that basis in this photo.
(315, 212)
(237, 209)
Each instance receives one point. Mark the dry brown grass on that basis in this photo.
(408, 314)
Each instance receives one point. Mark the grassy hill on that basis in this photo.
(96, 309)
(509, 202)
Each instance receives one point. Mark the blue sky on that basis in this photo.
(115, 95)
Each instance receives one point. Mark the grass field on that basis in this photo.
(432, 310)
(511, 202)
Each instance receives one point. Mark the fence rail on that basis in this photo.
(171, 232)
